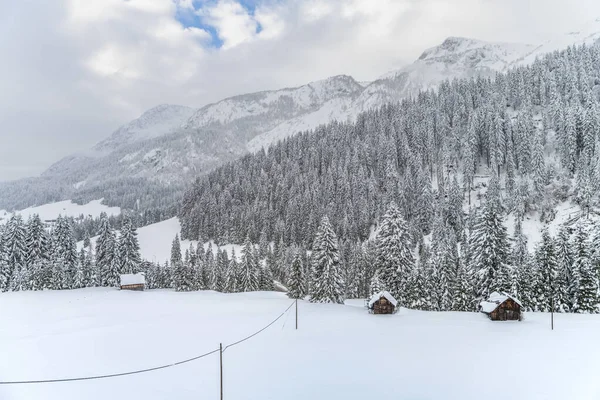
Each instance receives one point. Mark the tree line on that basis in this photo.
(34, 257)
(535, 127)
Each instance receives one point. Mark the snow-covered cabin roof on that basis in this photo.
(379, 295)
(133, 279)
(495, 300)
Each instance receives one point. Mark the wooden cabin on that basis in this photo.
(382, 303)
(502, 307)
(133, 281)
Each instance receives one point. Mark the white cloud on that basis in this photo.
(232, 21)
(89, 66)
(271, 22)
(314, 10)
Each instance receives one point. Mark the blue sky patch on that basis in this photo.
(188, 18)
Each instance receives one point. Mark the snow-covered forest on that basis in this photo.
(532, 135)
(412, 198)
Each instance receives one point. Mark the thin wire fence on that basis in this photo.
(257, 332)
(141, 371)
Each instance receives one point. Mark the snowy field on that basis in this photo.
(65, 208)
(339, 352)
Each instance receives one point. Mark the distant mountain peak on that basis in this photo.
(157, 121)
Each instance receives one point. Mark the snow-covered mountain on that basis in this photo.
(157, 121)
(169, 145)
(589, 34)
(460, 57)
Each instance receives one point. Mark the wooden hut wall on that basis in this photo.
(509, 310)
(383, 306)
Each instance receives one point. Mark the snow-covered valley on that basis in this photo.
(339, 351)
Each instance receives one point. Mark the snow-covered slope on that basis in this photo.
(155, 241)
(276, 105)
(588, 34)
(65, 208)
(338, 352)
(158, 121)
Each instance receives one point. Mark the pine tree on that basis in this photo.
(5, 272)
(79, 278)
(464, 299)
(181, 277)
(231, 274)
(444, 264)
(106, 265)
(490, 248)
(296, 289)
(564, 279)
(209, 265)
(327, 281)
(585, 286)
(15, 252)
(547, 266)
(40, 273)
(220, 270)
(375, 286)
(538, 166)
(263, 244)
(265, 276)
(248, 269)
(176, 251)
(394, 258)
(37, 241)
(524, 282)
(65, 245)
(129, 249)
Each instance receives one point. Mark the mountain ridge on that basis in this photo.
(169, 145)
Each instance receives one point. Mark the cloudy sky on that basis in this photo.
(72, 71)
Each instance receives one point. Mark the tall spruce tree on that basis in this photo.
(547, 268)
(327, 282)
(231, 274)
(106, 264)
(176, 251)
(394, 258)
(37, 240)
(66, 246)
(490, 249)
(248, 269)
(296, 288)
(129, 249)
(564, 279)
(585, 285)
(15, 255)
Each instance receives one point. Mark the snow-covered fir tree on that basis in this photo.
(394, 258)
(327, 283)
(15, 256)
(106, 264)
(231, 274)
(545, 296)
(66, 248)
(129, 249)
(490, 249)
(176, 251)
(37, 241)
(296, 282)
(564, 278)
(248, 269)
(585, 284)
